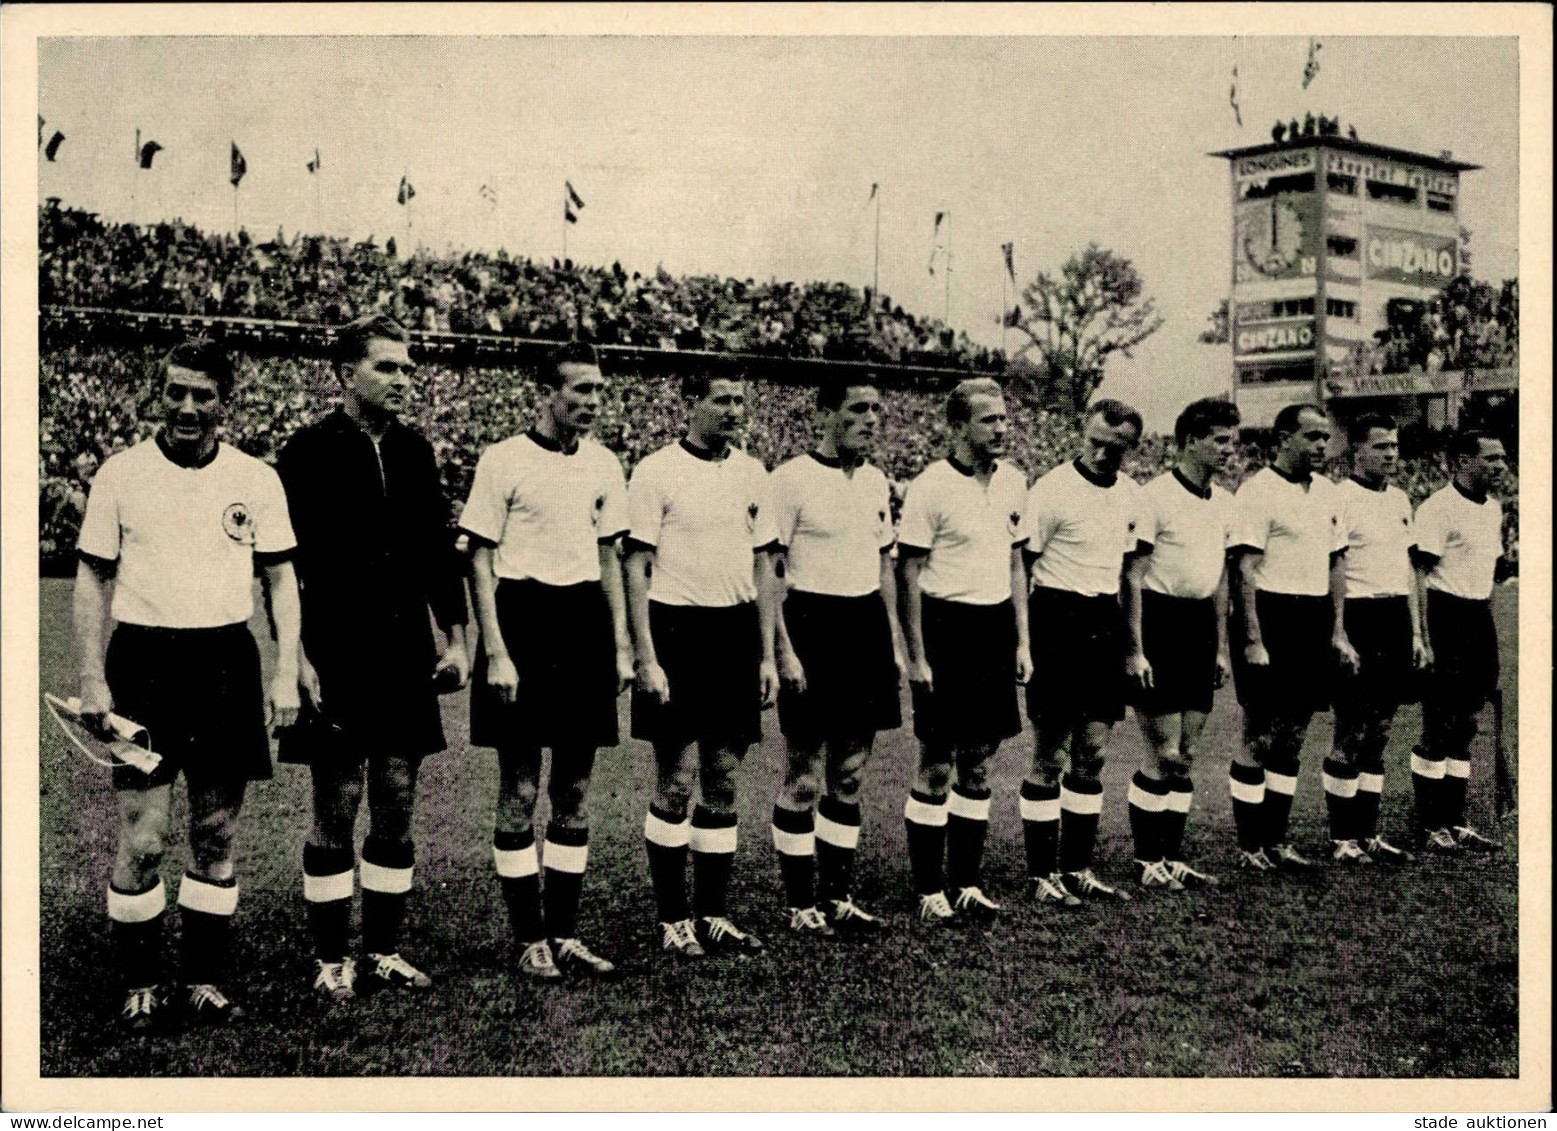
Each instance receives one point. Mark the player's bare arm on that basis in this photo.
(1253, 643)
(894, 621)
(502, 676)
(768, 613)
(1224, 654)
(651, 677)
(791, 672)
(286, 613)
(93, 594)
(913, 628)
(1344, 652)
(1024, 652)
(1137, 668)
(616, 600)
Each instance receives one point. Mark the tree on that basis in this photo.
(1219, 327)
(1076, 322)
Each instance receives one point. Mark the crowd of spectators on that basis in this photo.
(1468, 325)
(94, 401)
(172, 267)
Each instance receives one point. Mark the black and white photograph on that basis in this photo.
(870, 558)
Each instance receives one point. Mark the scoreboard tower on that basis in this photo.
(1328, 232)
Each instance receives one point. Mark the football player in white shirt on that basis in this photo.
(1081, 522)
(1381, 623)
(1182, 635)
(839, 654)
(174, 527)
(545, 513)
(702, 594)
(1291, 583)
(1458, 559)
(965, 621)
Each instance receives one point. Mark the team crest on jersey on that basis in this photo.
(596, 509)
(238, 523)
(1013, 521)
(751, 517)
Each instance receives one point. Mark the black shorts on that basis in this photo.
(199, 694)
(1078, 658)
(1179, 636)
(563, 646)
(1380, 631)
(1301, 675)
(1465, 667)
(845, 647)
(971, 650)
(711, 658)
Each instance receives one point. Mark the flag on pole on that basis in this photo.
(1232, 98)
(568, 214)
(40, 129)
(1311, 68)
(406, 191)
(1010, 253)
(573, 196)
(874, 185)
(238, 166)
(52, 148)
(313, 166)
(935, 240)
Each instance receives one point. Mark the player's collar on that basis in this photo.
(703, 453)
(549, 443)
(167, 450)
(1184, 482)
(835, 462)
(1091, 477)
(963, 469)
(1380, 489)
(1303, 482)
(1479, 500)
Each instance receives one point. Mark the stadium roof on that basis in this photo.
(1349, 145)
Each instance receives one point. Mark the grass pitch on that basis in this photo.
(1362, 973)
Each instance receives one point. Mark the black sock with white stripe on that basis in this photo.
(205, 912)
(519, 875)
(386, 882)
(967, 824)
(565, 855)
(329, 880)
(1040, 809)
(837, 842)
(1081, 805)
(1456, 784)
(666, 835)
(794, 837)
(1276, 810)
(925, 818)
(135, 921)
(1340, 782)
(1427, 773)
(1247, 786)
(1365, 810)
(713, 840)
(1175, 815)
(1148, 796)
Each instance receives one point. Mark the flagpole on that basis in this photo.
(1003, 318)
(947, 318)
(235, 211)
(318, 204)
(565, 204)
(875, 266)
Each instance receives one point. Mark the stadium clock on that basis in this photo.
(1269, 236)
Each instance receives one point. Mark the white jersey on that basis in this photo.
(834, 525)
(184, 538)
(967, 529)
(545, 510)
(703, 517)
(1189, 530)
(1081, 529)
(1466, 536)
(1295, 526)
(1379, 537)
